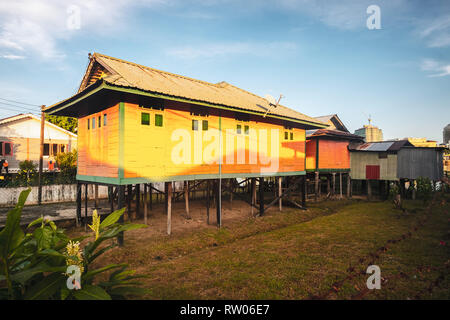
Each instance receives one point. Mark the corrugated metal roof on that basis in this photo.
(382, 146)
(132, 75)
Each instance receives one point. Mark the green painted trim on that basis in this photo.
(121, 140)
(125, 181)
(96, 179)
(328, 170)
(162, 96)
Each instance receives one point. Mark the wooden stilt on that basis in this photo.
(111, 198)
(261, 196)
(369, 190)
(231, 183)
(218, 204)
(138, 200)
(253, 190)
(340, 185)
(150, 191)
(96, 196)
(208, 184)
(303, 187)
(280, 191)
(349, 186)
(85, 205)
(186, 199)
(145, 204)
(166, 196)
(120, 205)
(129, 197)
(316, 185)
(78, 221)
(333, 189)
(328, 185)
(169, 208)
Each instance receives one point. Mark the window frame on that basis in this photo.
(3, 149)
(157, 115)
(149, 120)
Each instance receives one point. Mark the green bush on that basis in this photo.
(33, 265)
(27, 174)
(67, 164)
(424, 188)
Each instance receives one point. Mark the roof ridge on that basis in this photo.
(154, 69)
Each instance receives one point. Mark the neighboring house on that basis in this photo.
(395, 160)
(370, 133)
(327, 152)
(20, 140)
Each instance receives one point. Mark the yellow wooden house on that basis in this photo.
(140, 125)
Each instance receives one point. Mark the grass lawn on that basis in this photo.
(298, 254)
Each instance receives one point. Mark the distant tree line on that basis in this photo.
(68, 123)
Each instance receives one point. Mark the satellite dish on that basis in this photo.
(272, 102)
(270, 99)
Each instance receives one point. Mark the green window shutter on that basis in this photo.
(238, 129)
(99, 121)
(104, 120)
(246, 130)
(292, 136)
(89, 123)
(93, 123)
(205, 125)
(158, 120)
(285, 135)
(145, 118)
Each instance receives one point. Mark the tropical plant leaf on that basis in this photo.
(35, 222)
(91, 292)
(47, 287)
(12, 234)
(92, 273)
(112, 218)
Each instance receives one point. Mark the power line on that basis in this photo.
(24, 103)
(18, 107)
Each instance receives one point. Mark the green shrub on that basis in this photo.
(33, 265)
(424, 188)
(67, 164)
(27, 174)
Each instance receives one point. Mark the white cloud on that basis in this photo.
(212, 50)
(435, 68)
(12, 57)
(436, 31)
(35, 27)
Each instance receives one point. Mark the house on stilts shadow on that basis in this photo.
(396, 160)
(327, 155)
(138, 126)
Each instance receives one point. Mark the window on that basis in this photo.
(145, 118)
(195, 125)
(99, 121)
(205, 125)
(246, 130)
(292, 136)
(238, 129)
(6, 148)
(55, 149)
(62, 148)
(46, 149)
(286, 135)
(89, 123)
(158, 120)
(93, 123)
(382, 155)
(104, 120)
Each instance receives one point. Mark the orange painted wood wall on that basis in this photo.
(98, 148)
(333, 154)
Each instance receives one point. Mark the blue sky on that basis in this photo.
(319, 54)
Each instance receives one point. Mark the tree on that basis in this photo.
(68, 123)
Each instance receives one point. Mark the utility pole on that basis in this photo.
(41, 155)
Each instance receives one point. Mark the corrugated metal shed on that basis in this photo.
(420, 162)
